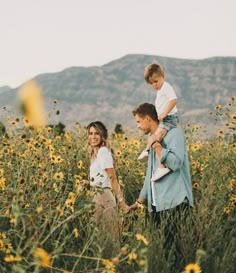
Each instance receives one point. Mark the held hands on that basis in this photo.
(137, 205)
(133, 206)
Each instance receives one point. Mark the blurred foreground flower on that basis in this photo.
(31, 100)
(42, 257)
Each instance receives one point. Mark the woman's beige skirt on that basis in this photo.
(105, 213)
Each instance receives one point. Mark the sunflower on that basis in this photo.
(218, 107)
(220, 132)
(1, 172)
(2, 183)
(195, 128)
(11, 258)
(227, 210)
(233, 118)
(58, 176)
(132, 257)
(123, 145)
(193, 268)
(76, 232)
(110, 268)
(118, 153)
(42, 257)
(195, 147)
(140, 237)
(80, 164)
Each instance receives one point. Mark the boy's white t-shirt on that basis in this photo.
(163, 96)
(98, 174)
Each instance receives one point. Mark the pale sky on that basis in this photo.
(40, 36)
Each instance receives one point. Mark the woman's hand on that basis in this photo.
(124, 207)
(84, 182)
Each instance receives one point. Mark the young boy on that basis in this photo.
(165, 104)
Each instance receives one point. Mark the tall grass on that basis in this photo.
(45, 214)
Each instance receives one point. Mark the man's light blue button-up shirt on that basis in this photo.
(172, 189)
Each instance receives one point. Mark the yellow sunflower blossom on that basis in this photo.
(193, 268)
(1, 172)
(55, 187)
(140, 237)
(195, 128)
(76, 232)
(136, 143)
(7, 248)
(233, 119)
(70, 201)
(233, 198)
(123, 145)
(2, 183)
(232, 184)
(141, 210)
(78, 186)
(227, 210)
(58, 176)
(60, 210)
(110, 268)
(132, 257)
(220, 132)
(78, 126)
(39, 209)
(79, 164)
(195, 185)
(67, 136)
(42, 257)
(218, 107)
(13, 123)
(78, 177)
(195, 147)
(118, 153)
(58, 159)
(11, 258)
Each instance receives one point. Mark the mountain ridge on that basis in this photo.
(110, 92)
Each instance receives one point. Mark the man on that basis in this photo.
(168, 199)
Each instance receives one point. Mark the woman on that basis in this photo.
(103, 178)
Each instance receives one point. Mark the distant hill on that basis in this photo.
(110, 92)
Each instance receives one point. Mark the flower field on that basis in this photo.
(45, 213)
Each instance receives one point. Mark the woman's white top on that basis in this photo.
(98, 175)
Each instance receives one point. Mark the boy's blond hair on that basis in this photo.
(153, 69)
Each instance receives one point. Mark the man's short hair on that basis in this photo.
(146, 109)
